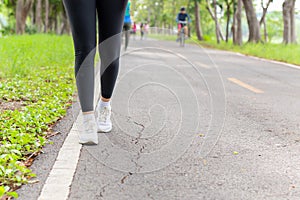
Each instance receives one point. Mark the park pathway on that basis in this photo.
(190, 123)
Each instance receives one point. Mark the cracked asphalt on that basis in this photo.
(183, 130)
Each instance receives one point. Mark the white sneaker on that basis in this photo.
(88, 134)
(103, 120)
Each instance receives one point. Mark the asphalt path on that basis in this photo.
(195, 123)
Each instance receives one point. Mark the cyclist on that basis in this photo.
(127, 23)
(182, 19)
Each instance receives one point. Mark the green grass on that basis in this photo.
(163, 37)
(279, 52)
(36, 73)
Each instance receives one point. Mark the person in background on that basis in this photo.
(142, 30)
(134, 30)
(146, 29)
(127, 24)
(182, 20)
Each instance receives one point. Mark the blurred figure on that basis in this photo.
(142, 30)
(134, 30)
(127, 24)
(146, 30)
(182, 20)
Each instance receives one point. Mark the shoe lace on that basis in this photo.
(104, 114)
(88, 124)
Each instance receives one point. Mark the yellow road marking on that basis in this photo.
(245, 85)
(203, 65)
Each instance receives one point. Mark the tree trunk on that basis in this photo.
(239, 35)
(22, 10)
(286, 22)
(265, 9)
(228, 6)
(32, 14)
(216, 22)
(293, 28)
(233, 26)
(254, 33)
(237, 24)
(38, 15)
(263, 18)
(198, 21)
(46, 16)
(214, 17)
(55, 24)
(265, 31)
(289, 21)
(65, 27)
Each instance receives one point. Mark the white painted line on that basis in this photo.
(199, 64)
(59, 181)
(271, 61)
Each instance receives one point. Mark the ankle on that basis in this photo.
(88, 113)
(103, 103)
(104, 99)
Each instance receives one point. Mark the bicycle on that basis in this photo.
(181, 25)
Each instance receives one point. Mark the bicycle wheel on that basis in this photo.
(182, 38)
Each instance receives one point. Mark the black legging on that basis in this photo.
(82, 16)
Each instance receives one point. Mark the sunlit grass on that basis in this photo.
(28, 54)
(278, 52)
(36, 74)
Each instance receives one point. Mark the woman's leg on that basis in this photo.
(82, 17)
(111, 18)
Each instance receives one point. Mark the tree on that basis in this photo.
(254, 32)
(38, 15)
(216, 22)
(65, 28)
(228, 14)
(239, 33)
(22, 10)
(263, 18)
(46, 16)
(237, 23)
(288, 11)
(214, 16)
(198, 21)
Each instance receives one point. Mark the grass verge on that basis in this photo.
(36, 87)
(278, 52)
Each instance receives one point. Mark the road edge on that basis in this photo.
(58, 183)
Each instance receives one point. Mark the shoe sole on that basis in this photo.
(104, 131)
(88, 142)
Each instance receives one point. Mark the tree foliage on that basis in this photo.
(207, 15)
